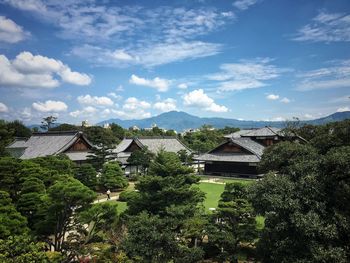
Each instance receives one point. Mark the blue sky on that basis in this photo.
(244, 59)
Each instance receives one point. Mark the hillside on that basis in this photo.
(179, 121)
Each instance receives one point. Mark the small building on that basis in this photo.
(71, 143)
(241, 153)
(153, 143)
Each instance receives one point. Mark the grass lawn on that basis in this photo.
(212, 194)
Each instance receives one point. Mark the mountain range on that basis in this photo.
(180, 121)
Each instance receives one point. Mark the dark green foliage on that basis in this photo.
(305, 203)
(61, 164)
(100, 155)
(112, 177)
(11, 221)
(206, 138)
(141, 158)
(21, 249)
(9, 131)
(66, 196)
(117, 131)
(151, 239)
(10, 178)
(31, 200)
(65, 127)
(325, 137)
(126, 196)
(167, 183)
(236, 222)
(100, 136)
(86, 174)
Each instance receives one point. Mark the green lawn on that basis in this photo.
(212, 194)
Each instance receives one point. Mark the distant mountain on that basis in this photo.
(179, 121)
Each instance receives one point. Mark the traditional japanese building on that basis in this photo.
(241, 153)
(73, 144)
(153, 143)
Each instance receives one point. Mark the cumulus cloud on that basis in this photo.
(166, 105)
(244, 4)
(10, 32)
(3, 108)
(199, 99)
(50, 106)
(285, 100)
(86, 111)
(337, 75)
(246, 74)
(272, 97)
(326, 27)
(114, 95)
(36, 71)
(161, 85)
(182, 86)
(94, 100)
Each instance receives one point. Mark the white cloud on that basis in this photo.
(3, 108)
(335, 76)
(133, 104)
(166, 105)
(10, 32)
(247, 74)
(326, 27)
(148, 55)
(285, 100)
(95, 100)
(244, 4)
(343, 109)
(182, 86)
(86, 111)
(199, 99)
(161, 85)
(28, 70)
(50, 106)
(133, 108)
(272, 97)
(115, 96)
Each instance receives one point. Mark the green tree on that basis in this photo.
(11, 221)
(112, 177)
(236, 222)
(22, 249)
(86, 174)
(10, 178)
(100, 136)
(141, 158)
(48, 122)
(65, 127)
(30, 200)
(100, 155)
(306, 220)
(65, 197)
(117, 131)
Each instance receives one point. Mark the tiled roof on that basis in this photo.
(263, 132)
(154, 144)
(250, 145)
(43, 144)
(229, 157)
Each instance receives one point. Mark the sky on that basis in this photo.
(243, 59)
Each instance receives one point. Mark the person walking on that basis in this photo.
(108, 194)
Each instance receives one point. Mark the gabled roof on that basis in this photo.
(49, 143)
(255, 149)
(261, 132)
(154, 144)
